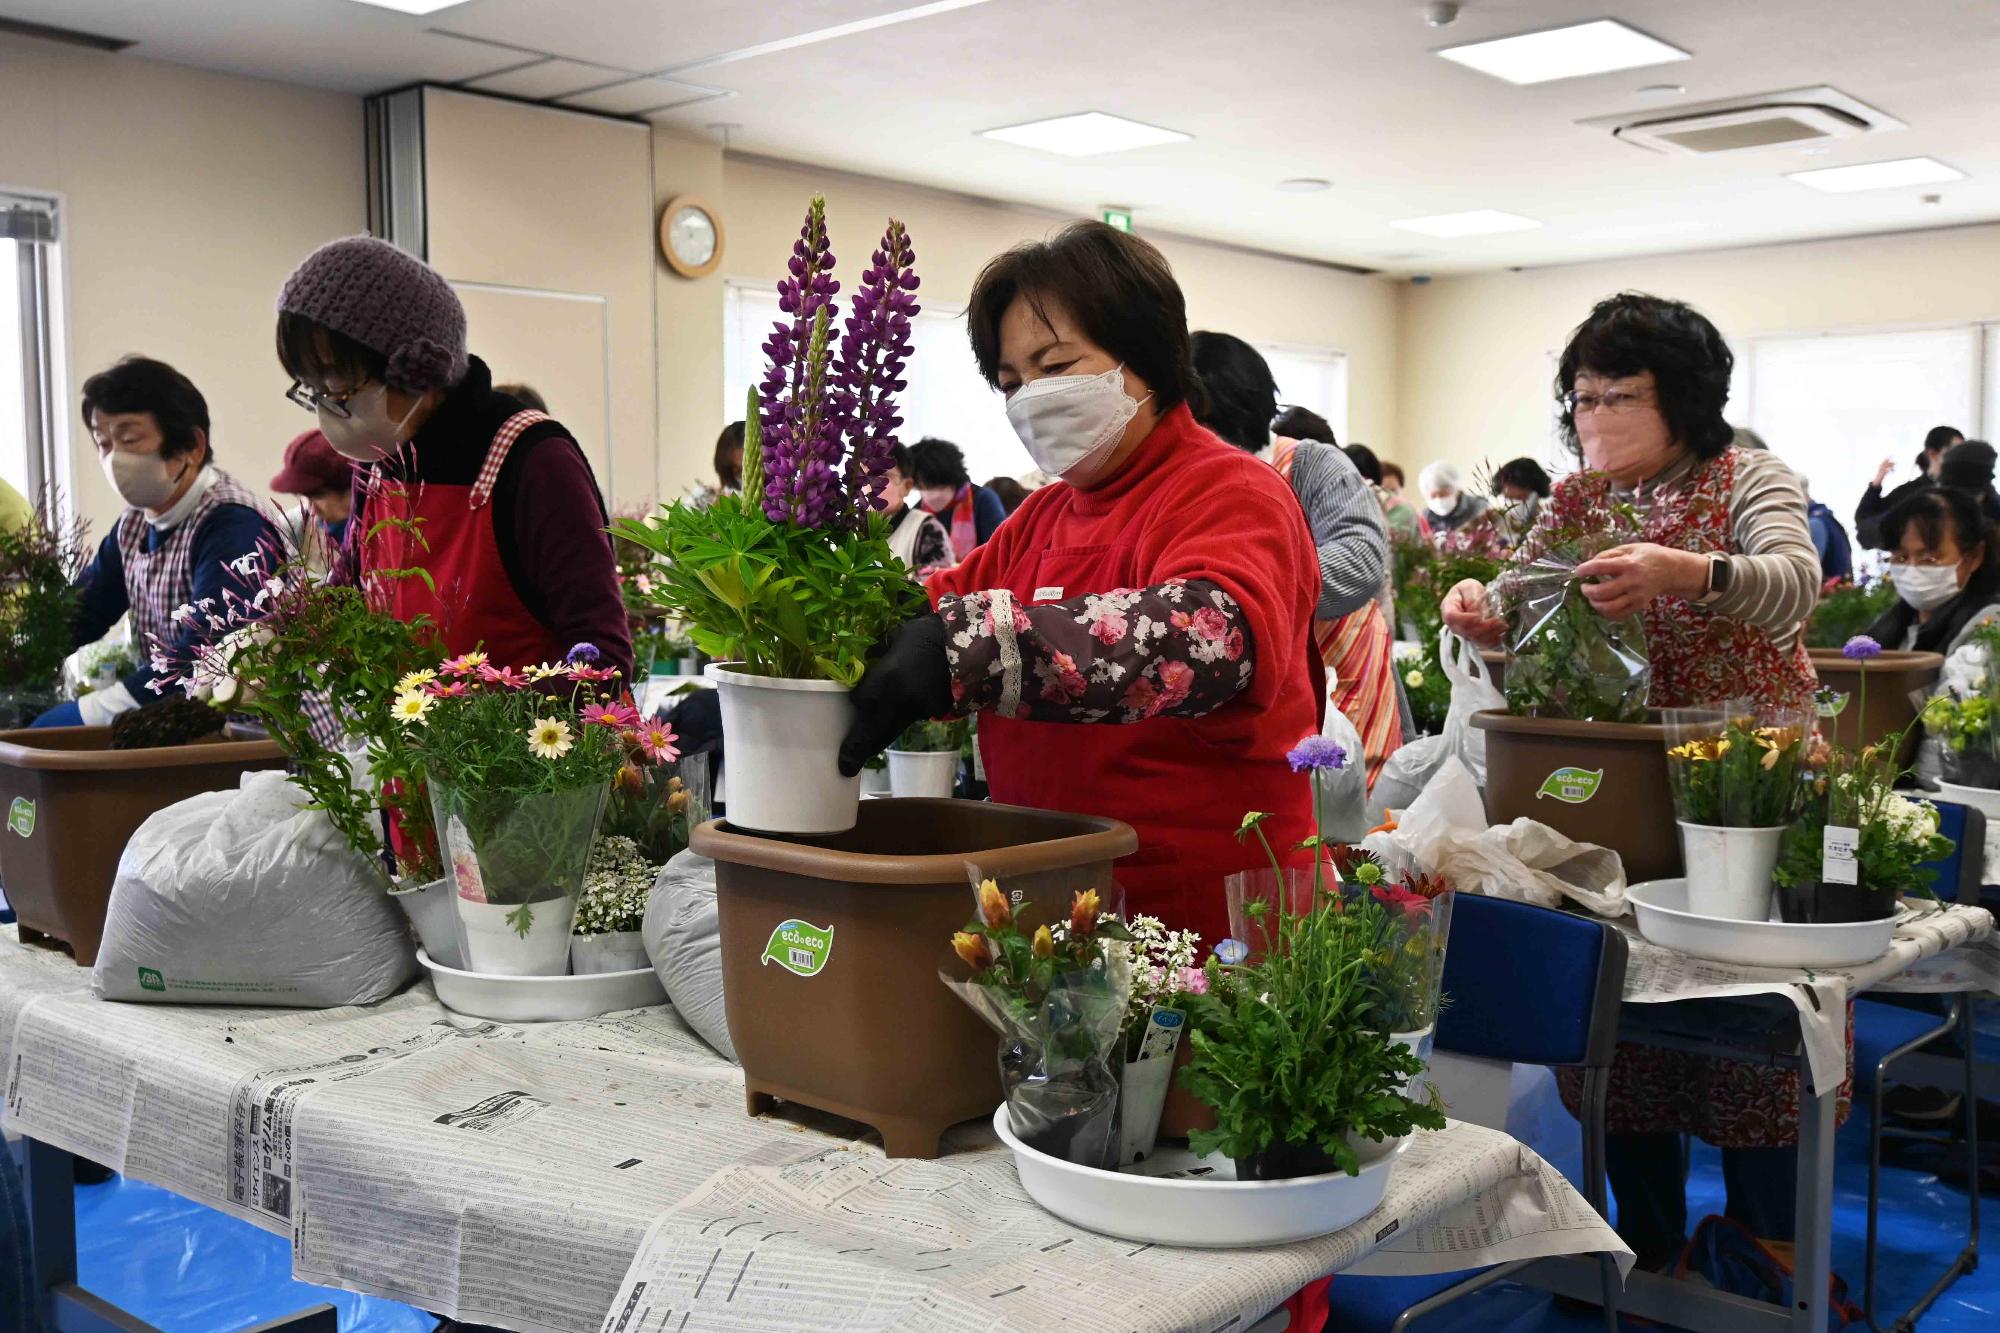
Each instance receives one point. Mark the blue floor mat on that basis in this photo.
(190, 1269)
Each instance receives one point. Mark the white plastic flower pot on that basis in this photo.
(923, 772)
(612, 951)
(875, 781)
(428, 906)
(1729, 870)
(495, 942)
(783, 738)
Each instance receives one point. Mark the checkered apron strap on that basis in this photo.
(496, 453)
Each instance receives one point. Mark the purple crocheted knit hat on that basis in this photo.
(386, 299)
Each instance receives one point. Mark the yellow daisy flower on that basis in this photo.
(415, 681)
(550, 738)
(411, 706)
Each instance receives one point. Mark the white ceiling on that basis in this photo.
(1342, 89)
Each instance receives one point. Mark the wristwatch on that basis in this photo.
(1719, 571)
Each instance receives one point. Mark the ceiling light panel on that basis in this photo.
(1086, 135)
(1878, 175)
(1478, 222)
(1598, 47)
(412, 6)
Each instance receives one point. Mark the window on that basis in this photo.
(1835, 405)
(32, 421)
(949, 399)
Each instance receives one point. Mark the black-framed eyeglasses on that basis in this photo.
(312, 400)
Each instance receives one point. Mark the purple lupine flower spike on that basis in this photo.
(786, 393)
(873, 352)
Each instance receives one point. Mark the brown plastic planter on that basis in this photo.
(1892, 678)
(866, 1029)
(71, 804)
(1629, 807)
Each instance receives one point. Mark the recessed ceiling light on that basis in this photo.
(1086, 135)
(1662, 90)
(1878, 175)
(412, 6)
(1597, 47)
(1479, 222)
(1303, 185)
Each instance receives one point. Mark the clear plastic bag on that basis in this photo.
(1569, 661)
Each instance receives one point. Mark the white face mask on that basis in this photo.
(366, 434)
(1925, 587)
(1072, 423)
(1442, 505)
(144, 481)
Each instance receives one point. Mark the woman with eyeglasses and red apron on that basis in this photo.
(492, 499)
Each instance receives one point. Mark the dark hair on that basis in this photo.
(1940, 437)
(140, 384)
(1011, 492)
(1930, 511)
(1242, 396)
(1968, 467)
(1299, 423)
(729, 456)
(1365, 463)
(523, 395)
(311, 352)
(1525, 473)
(936, 462)
(1389, 469)
(1631, 333)
(1117, 288)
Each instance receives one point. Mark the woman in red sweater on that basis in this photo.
(1137, 637)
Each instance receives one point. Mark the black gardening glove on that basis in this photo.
(907, 682)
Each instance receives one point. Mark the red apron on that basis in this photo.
(473, 604)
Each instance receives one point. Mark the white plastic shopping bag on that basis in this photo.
(1472, 691)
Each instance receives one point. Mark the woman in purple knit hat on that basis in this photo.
(509, 522)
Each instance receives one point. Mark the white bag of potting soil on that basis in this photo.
(1472, 691)
(1445, 832)
(247, 897)
(683, 937)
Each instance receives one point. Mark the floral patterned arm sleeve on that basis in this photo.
(1177, 649)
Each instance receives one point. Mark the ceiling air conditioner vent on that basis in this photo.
(1801, 117)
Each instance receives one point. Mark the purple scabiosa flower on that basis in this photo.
(1317, 754)
(1860, 648)
(582, 652)
(868, 373)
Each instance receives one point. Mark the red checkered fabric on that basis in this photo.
(496, 457)
(159, 580)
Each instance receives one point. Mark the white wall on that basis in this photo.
(1476, 353)
(189, 198)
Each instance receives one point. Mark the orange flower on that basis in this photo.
(1083, 913)
(994, 909)
(629, 780)
(1045, 943)
(972, 948)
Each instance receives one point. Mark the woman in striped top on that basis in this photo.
(1723, 579)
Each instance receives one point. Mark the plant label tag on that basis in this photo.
(799, 947)
(1571, 785)
(1162, 1036)
(1837, 863)
(1048, 594)
(21, 817)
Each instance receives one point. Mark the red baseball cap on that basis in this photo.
(312, 466)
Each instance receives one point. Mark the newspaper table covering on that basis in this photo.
(1931, 944)
(509, 1174)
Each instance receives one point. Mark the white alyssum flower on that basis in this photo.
(615, 888)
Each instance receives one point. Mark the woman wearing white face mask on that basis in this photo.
(183, 536)
(1451, 506)
(512, 523)
(1161, 594)
(1945, 568)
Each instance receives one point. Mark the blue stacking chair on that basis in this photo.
(1888, 1027)
(1528, 985)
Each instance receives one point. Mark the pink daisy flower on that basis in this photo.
(505, 677)
(442, 689)
(618, 716)
(584, 672)
(659, 742)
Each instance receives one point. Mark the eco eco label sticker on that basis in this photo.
(1574, 785)
(799, 947)
(21, 816)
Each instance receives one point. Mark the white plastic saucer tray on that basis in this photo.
(542, 999)
(1661, 906)
(1166, 1203)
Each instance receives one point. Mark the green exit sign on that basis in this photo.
(1121, 218)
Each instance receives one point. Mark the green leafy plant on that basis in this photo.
(933, 736)
(1569, 661)
(1425, 684)
(655, 807)
(1729, 768)
(39, 564)
(1290, 1044)
(1846, 609)
(1164, 975)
